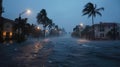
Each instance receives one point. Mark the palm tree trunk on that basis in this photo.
(93, 27)
(44, 32)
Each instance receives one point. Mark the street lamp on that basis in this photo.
(38, 28)
(19, 20)
(81, 29)
(26, 11)
(81, 24)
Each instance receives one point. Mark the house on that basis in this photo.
(7, 28)
(107, 30)
(12, 29)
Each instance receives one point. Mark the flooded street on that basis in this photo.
(60, 52)
(70, 52)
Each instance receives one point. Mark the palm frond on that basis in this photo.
(95, 6)
(85, 13)
(100, 9)
(89, 15)
(99, 13)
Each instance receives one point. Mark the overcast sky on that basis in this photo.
(65, 13)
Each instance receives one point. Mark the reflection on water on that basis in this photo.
(46, 40)
(8, 42)
(82, 41)
(37, 47)
(11, 41)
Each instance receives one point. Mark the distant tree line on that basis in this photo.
(44, 20)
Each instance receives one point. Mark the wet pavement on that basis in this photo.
(60, 52)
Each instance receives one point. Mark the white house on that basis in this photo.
(103, 28)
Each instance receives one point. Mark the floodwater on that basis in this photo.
(60, 52)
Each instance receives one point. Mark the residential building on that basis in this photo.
(7, 28)
(107, 30)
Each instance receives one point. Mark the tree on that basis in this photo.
(56, 27)
(1, 8)
(91, 10)
(50, 24)
(85, 33)
(22, 28)
(43, 19)
(76, 31)
(113, 33)
(53, 25)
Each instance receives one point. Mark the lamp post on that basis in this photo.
(19, 22)
(26, 11)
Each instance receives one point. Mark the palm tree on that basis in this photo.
(76, 29)
(43, 19)
(56, 27)
(91, 10)
(53, 25)
(50, 24)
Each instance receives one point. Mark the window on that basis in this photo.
(109, 26)
(102, 29)
(102, 35)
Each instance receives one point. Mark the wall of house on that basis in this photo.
(102, 34)
(119, 29)
(7, 27)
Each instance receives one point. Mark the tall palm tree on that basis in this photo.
(43, 19)
(91, 10)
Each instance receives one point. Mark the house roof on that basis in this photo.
(4, 20)
(106, 24)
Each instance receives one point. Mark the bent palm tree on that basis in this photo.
(43, 19)
(91, 10)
